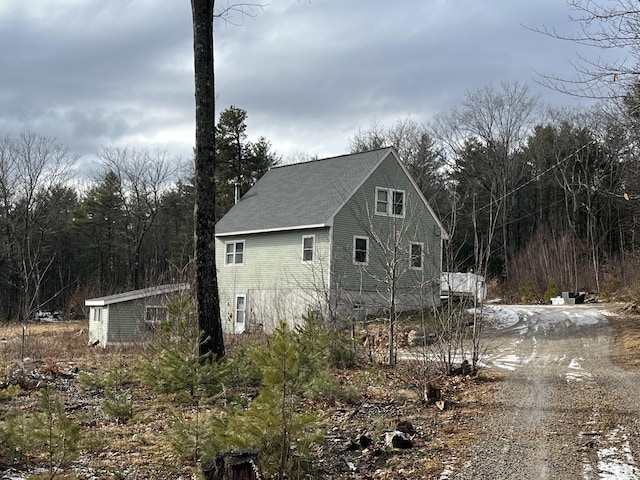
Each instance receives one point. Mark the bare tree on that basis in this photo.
(31, 168)
(143, 176)
(483, 140)
(610, 25)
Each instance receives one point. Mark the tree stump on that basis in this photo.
(235, 465)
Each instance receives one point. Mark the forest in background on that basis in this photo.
(531, 196)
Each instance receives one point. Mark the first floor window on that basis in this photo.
(241, 308)
(234, 253)
(361, 250)
(307, 248)
(416, 256)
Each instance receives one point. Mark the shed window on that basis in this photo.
(155, 314)
(234, 253)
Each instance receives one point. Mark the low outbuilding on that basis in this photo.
(130, 317)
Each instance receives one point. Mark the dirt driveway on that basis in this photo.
(564, 410)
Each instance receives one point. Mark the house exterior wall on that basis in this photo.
(277, 284)
(365, 284)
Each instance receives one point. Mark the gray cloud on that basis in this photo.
(309, 73)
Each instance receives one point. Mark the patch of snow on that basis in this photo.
(499, 316)
(616, 461)
(577, 373)
(508, 362)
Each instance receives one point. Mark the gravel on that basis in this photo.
(564, 410)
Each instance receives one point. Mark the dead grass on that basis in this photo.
(626, 337)
(59, 341)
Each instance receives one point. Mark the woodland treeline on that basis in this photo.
(531, 196)
(131, 227)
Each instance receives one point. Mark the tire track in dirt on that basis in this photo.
(564, 410)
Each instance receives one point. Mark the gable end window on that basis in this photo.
(390, 202)
(361, 250)
(234, 253)
(416, 256)
(308, 244)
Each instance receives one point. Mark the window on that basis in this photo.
(382, 201)
(416, 256)
(241, 309)
(397, 206)
(390, 202)
(154, 314)
(234, 253)
(361, 250)
(97, 314)
(308, 242)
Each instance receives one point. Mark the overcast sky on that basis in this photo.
(95, 73)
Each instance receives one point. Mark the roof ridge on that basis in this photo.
(331, 158)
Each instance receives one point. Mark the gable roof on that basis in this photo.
(301, 195)
(135, 295)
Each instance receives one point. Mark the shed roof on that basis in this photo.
(301, 195)
(136, 294)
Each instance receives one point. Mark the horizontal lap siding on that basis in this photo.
(272, 263)
(358, 218)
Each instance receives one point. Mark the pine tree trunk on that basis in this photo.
(209, 319)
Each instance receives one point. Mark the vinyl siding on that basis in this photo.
(272, 272)
(358, 218)
(98, 326)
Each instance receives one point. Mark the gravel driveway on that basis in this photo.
(564, 410)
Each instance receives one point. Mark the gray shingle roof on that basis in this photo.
(299, 195)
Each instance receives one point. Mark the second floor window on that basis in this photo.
(234, 253)
(390, 202)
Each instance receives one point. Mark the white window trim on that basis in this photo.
(378, 190)
(313, 248)
(389, 211)
(236, 310)
(234, 243)
(421, 245)
(353, 257)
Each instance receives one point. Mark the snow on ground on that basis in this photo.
(576, 373)
(615, 460)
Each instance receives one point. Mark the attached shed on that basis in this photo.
(130, 317)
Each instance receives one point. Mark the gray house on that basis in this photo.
(130, 317)
(342, 236)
